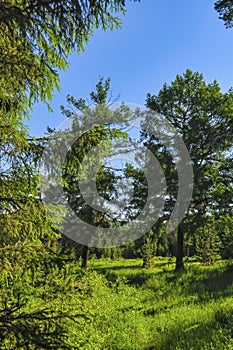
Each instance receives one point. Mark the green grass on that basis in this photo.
(160, 309)
(118, 305)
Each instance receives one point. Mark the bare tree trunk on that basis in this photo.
(180, 249)
(84, 256)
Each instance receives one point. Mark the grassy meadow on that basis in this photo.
(128, 307)
(118, 305)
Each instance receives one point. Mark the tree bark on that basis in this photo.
(180, 250)
(84, 256)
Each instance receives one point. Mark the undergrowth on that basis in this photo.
(117, 305)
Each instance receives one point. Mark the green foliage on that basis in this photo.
(224, 225)
(225, 10)
(47, 301)
(99, 133)
(208, 241)
(192, 310)
(148, 249)
(37, 282)
(117, 305)
(36, 39)
(202, 115)
(92, 128)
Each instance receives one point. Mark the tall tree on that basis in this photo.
(36, 38)
(202, 115)
(80, 114)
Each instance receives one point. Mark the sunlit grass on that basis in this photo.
(192, 310)
(118, 305)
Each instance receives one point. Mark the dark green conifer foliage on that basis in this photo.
(202, 115)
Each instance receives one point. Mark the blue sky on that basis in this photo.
(158, 40)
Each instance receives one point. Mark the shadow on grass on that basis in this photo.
(215, 333)
(194, 280)
(217, 283)
(137, 279)
(129, 272)
(116, 267)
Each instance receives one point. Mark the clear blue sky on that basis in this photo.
(158, 40)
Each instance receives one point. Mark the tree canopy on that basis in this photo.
(202, 115)
(225, 10)
(36, 38)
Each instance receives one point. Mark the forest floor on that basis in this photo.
(156, 308)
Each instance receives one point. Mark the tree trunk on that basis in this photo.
(84, 256)
(180, 249)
